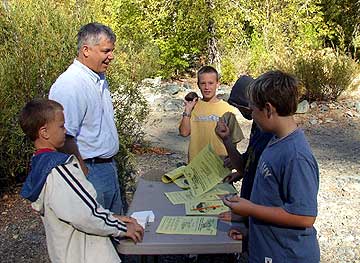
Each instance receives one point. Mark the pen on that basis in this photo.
(207, 207)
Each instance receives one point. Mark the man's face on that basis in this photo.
(56, 130)
(99, 56)
(208, 84)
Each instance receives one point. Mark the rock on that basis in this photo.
(329, 120)
(155, 81)
(333, 105)
(324, 108)
(357, 106)
(349, 238)
(187, 86)
(173, 105)
(349, 104)
(313, 105)
(313, 121)
(152, 98)
(303, 107)
(349, 114)
(172, 88)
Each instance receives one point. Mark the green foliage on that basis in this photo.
(131, 110)
(343, 19)
(228, 72)
(169, 38)
(324, 74)
(31, 57)
(136, 52)
(35, 49)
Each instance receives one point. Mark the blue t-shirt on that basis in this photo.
(287, 176)
(257, 143)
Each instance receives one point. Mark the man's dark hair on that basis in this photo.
(90, 34)
(36, 114)
(278, 88)
(207, 69)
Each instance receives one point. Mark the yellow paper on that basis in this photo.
(214, 207)
(188, 225)
(181, 197)
(205, 171)
(222, 189)
(182, 183)
(173, 175)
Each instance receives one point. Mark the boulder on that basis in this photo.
(303, 107)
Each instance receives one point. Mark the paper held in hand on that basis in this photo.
(182, 197)
(205, 171)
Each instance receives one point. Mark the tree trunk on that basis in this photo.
(213, 52)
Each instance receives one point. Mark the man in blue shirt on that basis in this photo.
(84, 93)
(283, 203)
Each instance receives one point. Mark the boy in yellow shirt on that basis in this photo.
(201, 115)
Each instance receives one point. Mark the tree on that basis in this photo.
(343, 17)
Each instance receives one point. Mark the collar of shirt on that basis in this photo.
(96, 77)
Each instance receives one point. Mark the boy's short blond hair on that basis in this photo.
(207, 69)
(36, 114)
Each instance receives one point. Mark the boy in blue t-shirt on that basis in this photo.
(245, 163)
(283, 203)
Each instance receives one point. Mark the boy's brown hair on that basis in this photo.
(36, 114)
(278, 88)
(207, 69)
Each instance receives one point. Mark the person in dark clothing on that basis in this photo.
(245, 163)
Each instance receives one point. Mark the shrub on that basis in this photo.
(325, 74)
(228, 71)
(38, 42)
(131, 111)
(31, 57)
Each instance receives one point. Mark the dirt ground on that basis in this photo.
(335, 140)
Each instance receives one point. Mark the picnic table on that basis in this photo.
(149, 195)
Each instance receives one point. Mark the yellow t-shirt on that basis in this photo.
(203, 122)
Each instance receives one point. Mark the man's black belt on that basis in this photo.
(98, 160)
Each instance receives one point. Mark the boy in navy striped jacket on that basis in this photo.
(77, 228)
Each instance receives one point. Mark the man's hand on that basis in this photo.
(222, 130)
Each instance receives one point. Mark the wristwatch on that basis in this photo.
(185, 114)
